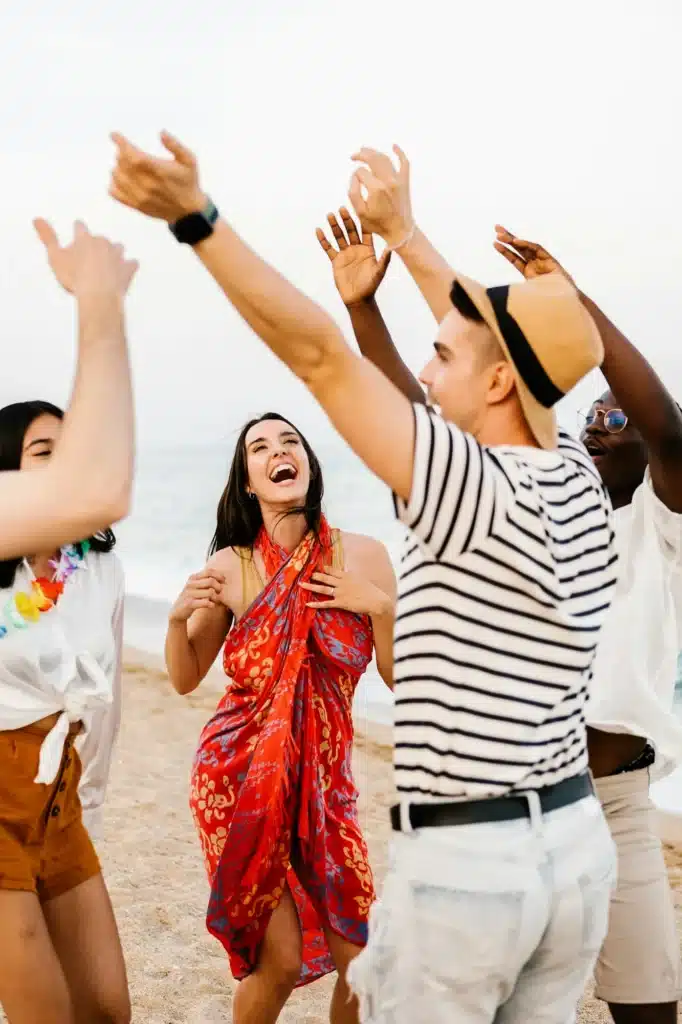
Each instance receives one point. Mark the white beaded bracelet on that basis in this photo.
(408, 238)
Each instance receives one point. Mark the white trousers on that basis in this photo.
(498, 922)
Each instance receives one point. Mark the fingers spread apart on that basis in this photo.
(345, 231)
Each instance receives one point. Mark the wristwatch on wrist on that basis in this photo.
(195, 227)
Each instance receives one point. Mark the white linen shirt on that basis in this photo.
(635, 668)
(69, 661)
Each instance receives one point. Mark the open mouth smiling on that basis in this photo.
(284, 473)
(594, 447)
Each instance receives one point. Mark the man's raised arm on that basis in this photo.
(642, 394)
(389, 215)
(357, 275)
(363, 405)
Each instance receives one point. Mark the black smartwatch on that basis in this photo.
(195, 227)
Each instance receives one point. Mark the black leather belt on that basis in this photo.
(643, 760)
(500, 808)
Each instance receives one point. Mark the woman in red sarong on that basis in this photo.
(272, 793)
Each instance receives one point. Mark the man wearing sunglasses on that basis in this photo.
(634, 434)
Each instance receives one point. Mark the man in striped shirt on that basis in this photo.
(496, 900)
(495, 627)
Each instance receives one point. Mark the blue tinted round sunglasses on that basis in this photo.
(615, 420)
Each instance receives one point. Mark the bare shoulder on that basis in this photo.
(227, 561)
(360, 544)
(363, 553)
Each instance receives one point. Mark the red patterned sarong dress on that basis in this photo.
(272, 780)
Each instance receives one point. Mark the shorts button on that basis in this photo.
(55, 811)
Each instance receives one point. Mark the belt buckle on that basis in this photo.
(405, 817)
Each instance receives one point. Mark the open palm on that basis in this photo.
(529, 258)
(357, 271)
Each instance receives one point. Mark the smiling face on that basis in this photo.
(277, 464)
(621, 457)
(39, 441)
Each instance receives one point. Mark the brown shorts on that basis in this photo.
(44, 845)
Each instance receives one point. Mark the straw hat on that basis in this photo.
(549, 338)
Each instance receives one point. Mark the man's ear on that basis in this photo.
(501, 381)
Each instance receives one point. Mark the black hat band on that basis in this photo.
(530, 369)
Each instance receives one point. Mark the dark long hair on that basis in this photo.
(239, 517)
(15, 420)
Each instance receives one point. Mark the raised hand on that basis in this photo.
(159, 187)
(348, 591)
(357, 271)
(89, 265)
(202, 590)
(385, 209)
(529, 258)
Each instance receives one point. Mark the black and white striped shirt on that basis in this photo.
(508, 573)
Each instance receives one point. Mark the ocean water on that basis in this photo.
(167, 536)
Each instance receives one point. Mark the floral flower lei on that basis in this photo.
(22, 608)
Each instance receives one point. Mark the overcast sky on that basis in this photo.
(558, 120)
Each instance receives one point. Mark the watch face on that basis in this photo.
(195, 227)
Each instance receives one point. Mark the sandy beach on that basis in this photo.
(178, 973)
